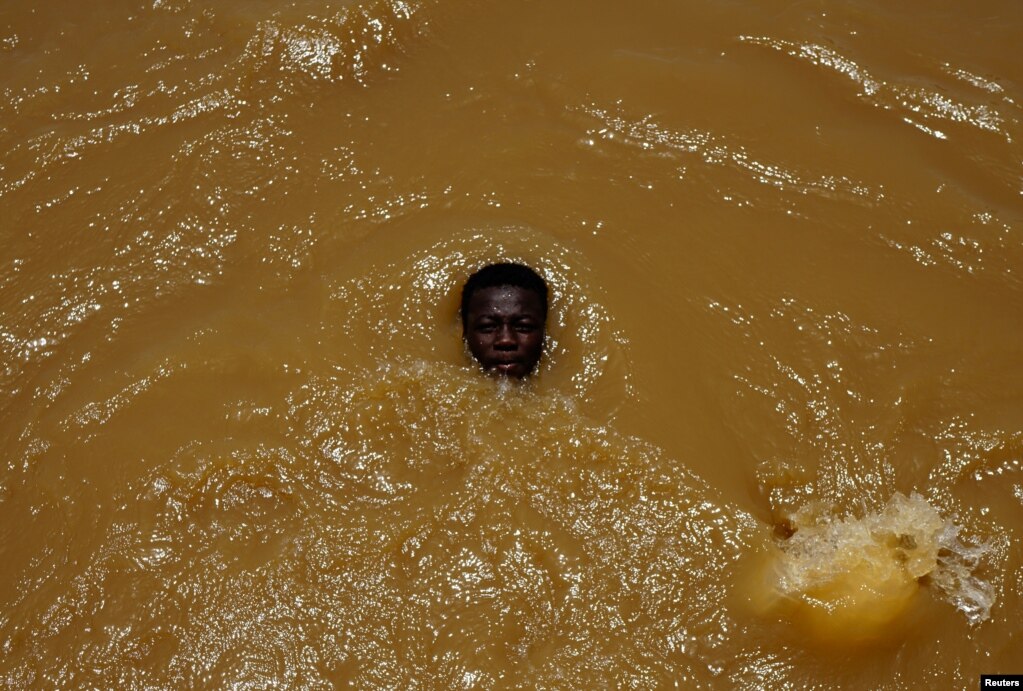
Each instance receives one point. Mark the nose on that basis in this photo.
(505, 339)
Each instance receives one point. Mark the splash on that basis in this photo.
(851, 577)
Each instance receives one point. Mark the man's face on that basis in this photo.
(504, 328)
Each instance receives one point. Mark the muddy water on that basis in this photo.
(775, 439)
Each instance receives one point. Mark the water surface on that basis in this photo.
(775, 440)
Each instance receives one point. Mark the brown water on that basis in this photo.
(776, 438)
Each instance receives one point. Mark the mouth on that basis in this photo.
(507, 368)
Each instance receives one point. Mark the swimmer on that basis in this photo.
(504, 311)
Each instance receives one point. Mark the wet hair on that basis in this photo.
(503, 274)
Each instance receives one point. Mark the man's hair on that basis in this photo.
(503, 274)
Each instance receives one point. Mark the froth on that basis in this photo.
(849, 577)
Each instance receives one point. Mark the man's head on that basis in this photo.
(504, 311)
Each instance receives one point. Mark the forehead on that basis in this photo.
(506, 300)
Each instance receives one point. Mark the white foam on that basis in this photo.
(857, 562)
